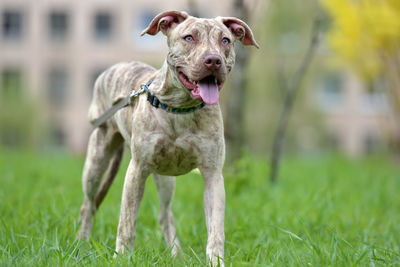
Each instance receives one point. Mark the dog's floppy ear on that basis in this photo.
(240, 30)
(164, 22)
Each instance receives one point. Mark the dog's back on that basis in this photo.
(117, 82)
(173, 128)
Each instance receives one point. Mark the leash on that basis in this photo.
(121, 103)
(153, 100)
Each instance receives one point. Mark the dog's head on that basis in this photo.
(201, 52)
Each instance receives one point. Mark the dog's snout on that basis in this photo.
(212, 62)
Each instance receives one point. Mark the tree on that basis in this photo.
(365, 35)
(291, 89)
(234, 123)
(235, 109)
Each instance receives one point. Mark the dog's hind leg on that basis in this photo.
(166, 187)
(103, 144)
(111, 173)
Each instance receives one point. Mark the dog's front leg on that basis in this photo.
(166, 187)
(214, 204)
(131, 197)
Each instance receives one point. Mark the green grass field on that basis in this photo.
(325, 211)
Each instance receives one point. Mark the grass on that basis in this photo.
(325, 211)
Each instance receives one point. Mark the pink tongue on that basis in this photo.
(209, 90)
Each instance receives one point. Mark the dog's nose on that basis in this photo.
(212, 62)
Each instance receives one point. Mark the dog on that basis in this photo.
(162, 141)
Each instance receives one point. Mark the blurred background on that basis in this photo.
(51, 52)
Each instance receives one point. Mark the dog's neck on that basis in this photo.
(168, 89)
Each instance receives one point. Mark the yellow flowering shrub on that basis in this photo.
(365, 33)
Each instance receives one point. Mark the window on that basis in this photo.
(10, 135)
(333, 141)
(12, 125)
(12, 24)
(331, 92)
(57, 85)
(371, 142)
(140, 22)
(92, 79)
(11, 84)
(58, 25)
(375, 102)
(145, 18)
(57, 136)
(375, 99)
(103, 26)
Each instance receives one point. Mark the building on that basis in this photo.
(55, 49)
(357, 117)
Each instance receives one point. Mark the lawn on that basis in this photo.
(324, 211)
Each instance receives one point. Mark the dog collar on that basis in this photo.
(155, 102)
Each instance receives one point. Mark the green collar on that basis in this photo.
(155, 102)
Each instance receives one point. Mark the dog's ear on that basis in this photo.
(240, 30)
(165, 22)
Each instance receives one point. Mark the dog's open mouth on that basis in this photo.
(207, 88)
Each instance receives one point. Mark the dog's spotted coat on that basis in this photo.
(162, 143)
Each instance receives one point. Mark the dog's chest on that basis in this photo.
(171, 156)
(170, 144)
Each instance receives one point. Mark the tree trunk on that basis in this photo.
(291, 93)
(392, 71)
(234, 128)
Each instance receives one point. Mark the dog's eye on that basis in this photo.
(226, 41)
(188, 38)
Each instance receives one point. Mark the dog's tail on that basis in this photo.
(111, 173)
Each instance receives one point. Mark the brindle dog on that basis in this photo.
(201, 54)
